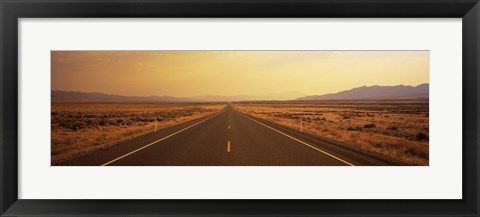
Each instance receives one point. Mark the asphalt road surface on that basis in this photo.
(228, 138)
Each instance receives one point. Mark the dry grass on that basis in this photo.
(80, 128)
(397, 130)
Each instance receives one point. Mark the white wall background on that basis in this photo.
(442, 179)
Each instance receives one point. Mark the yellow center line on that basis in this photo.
(228, 126)
(166, 137)
(228, 147)
(300, 141)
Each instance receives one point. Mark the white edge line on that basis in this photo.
(166, 137)
(300, 141)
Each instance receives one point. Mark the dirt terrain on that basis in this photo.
(393, 129)
(81, 128)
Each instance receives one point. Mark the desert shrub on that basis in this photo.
(63, 123)
(421, 136)
(359, 128)
(369, 126)
(104, 122)
(79, 125)
(392, 128)
(70, 141)
(91, 122)
(418, 152)
(394, 146)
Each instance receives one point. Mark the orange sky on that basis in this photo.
(192, 73)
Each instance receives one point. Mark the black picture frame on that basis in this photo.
(12, 10)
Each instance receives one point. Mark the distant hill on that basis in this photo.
(216, 98)
(75, 96)
(359, 93)
(376, 92)
(271, 96)
(275, 96)
(72, 96)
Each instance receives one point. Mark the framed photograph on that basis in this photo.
(319, 108)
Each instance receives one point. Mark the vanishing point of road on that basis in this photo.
(227, 138)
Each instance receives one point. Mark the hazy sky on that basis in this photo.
(192, 73)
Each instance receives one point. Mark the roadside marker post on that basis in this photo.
(155, 124)
(301, 124)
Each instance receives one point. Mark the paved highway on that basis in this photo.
(228, 138)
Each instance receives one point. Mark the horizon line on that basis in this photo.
(237, 95)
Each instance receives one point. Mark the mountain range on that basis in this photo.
(264, 97)
(376, 93)
(75, 96)
(360, 93)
